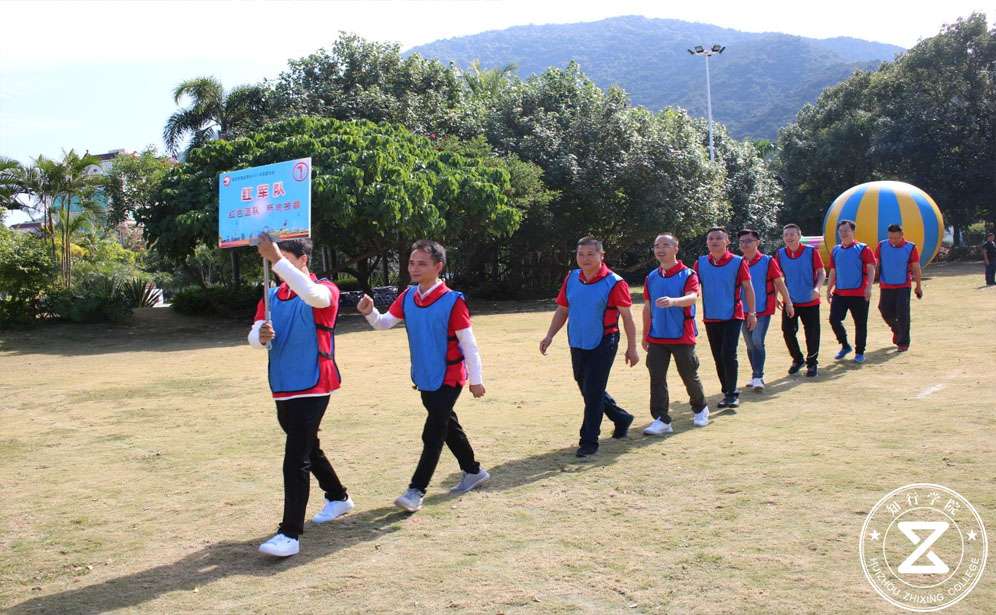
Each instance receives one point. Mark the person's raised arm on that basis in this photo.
(378, 321)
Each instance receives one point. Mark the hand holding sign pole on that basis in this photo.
(265, 204)
(266, 247)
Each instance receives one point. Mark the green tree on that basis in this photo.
(487, 84)
(63, 190)
(936, 124)
(619, 173)
(360, 79)
(750, 187)
(212, 113)
(827, 150)
(375, 189)
(131, 183)
(26, 268)
(10, 174)
(926, 118)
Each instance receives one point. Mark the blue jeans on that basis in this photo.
(591, 372)
(754, 341)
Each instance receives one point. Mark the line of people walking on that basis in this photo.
(739, 293)
(739, 296)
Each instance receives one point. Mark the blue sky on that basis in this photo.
(98, 75)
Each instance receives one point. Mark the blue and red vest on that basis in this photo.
(894, 263)
(586, 306)
(428, 337)
(669, 323)
(294, 356)
(850, 268)
(759, 281)
(799, 277)
(719, 287)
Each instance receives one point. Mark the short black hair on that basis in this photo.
(792, 225)
(717, 228)
(895, 228)
(432, 248)
(749, 231)
(849, 223)
(591, 241)
(299, 246)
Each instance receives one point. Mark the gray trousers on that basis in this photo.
(658, 361)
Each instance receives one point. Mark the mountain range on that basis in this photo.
(759, 82)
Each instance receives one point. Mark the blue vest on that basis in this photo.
(294, 355)
(759, 280)
(894, 263)
(850, 269)
(669, 323)
(586, 306)
(798, 272)
(428, 337)
(719, 287)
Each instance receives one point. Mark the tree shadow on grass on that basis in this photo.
(241, 558)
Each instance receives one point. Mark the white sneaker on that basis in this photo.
(333, 510)
(469, 481)
(701, 418)
(280, 546)
(410, 500)
(757, 384)
(658, 428)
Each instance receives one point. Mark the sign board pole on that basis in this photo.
(266, 294)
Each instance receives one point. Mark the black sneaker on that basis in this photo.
(796, 366)
(733, 402)
(622, 428)
(724, 402)
(811, 371)
(586, 450)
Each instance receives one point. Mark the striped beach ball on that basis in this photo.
(875, 205)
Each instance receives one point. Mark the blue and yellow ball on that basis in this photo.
(875, 205)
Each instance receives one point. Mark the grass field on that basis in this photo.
(140, 469)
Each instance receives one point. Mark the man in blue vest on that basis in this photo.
(899, 265)
(802, 266)
(669, 295)
(724, 278)
(300, 336)
(444, 356)
(852, 270)
(766, 278)
(591, 300)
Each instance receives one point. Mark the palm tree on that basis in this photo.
(10, 187)
(212, 113)
(487, 84)
(56, 186)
